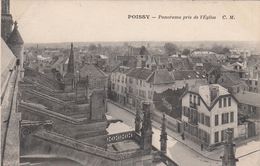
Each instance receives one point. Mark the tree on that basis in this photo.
(92, 47)
(220, 49)
(170, 48)
(186, 51)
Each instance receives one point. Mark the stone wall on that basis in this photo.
(97, 105)
(43, 142)
(68, 126)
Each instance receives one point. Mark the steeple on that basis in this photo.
(15, 37)
(71, 67)
(6, 20)
(229, 159)
(163, 136)
(69, 78)
(146, 132)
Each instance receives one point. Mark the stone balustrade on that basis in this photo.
(118, 137)
(85, 147)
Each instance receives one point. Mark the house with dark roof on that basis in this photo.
(232, 82)
(249, 107)
(184, 78)
(95, 77)
(207, 111)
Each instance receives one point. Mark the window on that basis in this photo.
(202, 118)
(216, 120)
(231, 116)
(194, 99)
(225, 102)
(198, 100)
(229, 101)
(222, 135)
(190, 98)
(216, 137)
(220, 103)
(207, 121)
(225, 117)
(130, 80)
(232, 130)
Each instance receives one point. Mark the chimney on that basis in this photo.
(214, 92)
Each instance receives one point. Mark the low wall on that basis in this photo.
(172, 123)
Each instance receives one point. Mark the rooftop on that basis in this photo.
(209, 93)
(188, 74)
(248, 98)
(140, 73)
(91, 70)
(161, 76)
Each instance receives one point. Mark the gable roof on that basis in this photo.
(195, 90)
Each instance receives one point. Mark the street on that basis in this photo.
(176, 150)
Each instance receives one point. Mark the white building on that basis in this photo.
(207, 111)
(118, 83)
(131, 87)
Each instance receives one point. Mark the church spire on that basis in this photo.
(228, 159)
(71, 65)
(163, 136)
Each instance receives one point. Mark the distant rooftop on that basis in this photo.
(188, 74)
(140, 73)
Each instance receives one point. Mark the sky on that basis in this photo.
(83, 21)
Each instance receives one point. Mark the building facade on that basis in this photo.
(207, 111)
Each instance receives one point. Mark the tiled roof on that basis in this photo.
(230, 79)
(122, 69)
(249, 98)
(161, 76)
(91, 70)
(188, 74)
(140, 73)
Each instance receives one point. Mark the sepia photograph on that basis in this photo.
(130, 83)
